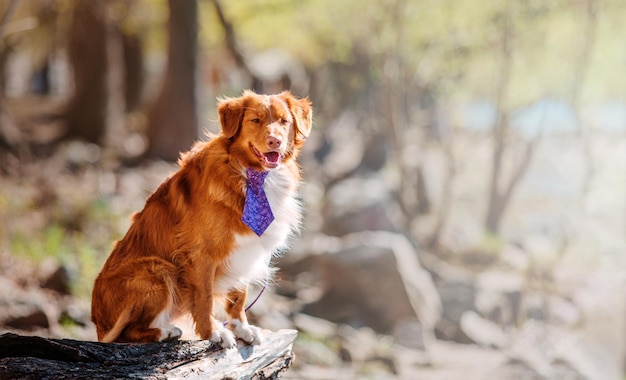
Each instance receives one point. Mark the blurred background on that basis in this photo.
(465, 181)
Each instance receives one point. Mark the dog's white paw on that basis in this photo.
(223, 337)
(170, 334)
(248, 333)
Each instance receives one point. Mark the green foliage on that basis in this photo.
(450, 45)
(37, 245)
(77, 235)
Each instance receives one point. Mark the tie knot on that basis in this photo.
(256, 178)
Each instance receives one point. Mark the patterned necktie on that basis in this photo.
(257, 213)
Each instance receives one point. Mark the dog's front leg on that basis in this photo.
(238, 321)
(207, 327)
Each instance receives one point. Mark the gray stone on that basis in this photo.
(375, 279)
(457, 297)
(316, 327)
(483, 331)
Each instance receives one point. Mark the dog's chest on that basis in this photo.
(250, 260)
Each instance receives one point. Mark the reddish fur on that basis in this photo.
(172, 252)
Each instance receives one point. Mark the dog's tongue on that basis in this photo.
(272, 156)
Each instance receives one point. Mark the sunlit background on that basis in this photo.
(465, 181)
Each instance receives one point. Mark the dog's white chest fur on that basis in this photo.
(250, 260)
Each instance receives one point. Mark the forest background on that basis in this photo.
(489, 134)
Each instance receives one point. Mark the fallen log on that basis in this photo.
(31, 357)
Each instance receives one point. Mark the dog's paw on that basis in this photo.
(170, 334)
(248, 333)
(223, 337)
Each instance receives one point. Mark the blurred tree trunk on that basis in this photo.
(172, 119)
(133, 70)
(235, 50)
(581, 66)
(501, 190)
(86, 116)
(412, 194)
(12, 144)
(495, 206)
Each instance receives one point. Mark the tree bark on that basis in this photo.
(495, 208)
(31, 357)
(173, 120)
(86, 116)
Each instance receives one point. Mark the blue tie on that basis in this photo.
(257, 213)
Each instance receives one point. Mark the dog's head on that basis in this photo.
(265, 130)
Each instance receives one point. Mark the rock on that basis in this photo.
(29, 322)
(316, 352)
(58, 281)
(563, 311)
(541, 250)
(499, 294)
(375, 217)
(358, 345)
(316, 327)
(350, 209)
(375, 279)
(482, 331)
(343, 146)
(410, 334)
(515, 257)
(457, 297)
(28, 309)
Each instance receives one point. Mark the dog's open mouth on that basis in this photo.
(269, 159)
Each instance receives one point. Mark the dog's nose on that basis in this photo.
(273, 142)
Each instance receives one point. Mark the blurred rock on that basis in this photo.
(342, 146)
(410, 334)
(34, 320)
(563, 311)
(352, 209)
(515, 257)
(499, 294)
(317, 327)
(375, 217)
(359, 345)
(58, 281)
(375, 279)
(27, 309)
(553, 308)
(76, 312)
(457, 297)
(542, 251)
(483, 331)
(371, 352)
(316, 352)
(377, 148)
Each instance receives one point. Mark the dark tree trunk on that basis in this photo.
(172, 120)
(133, 70)
(87, 49)
(32, 357)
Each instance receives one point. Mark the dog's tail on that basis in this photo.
(117, 329)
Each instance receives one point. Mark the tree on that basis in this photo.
(86, 115)
(172, 119)
(500, 189)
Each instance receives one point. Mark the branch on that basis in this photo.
(29, 357)
(231, 41)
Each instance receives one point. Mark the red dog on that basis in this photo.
(193, 243)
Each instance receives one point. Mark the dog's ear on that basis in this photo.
(302, 112)
(231, 115)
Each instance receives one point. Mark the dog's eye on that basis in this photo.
(284, 121)
(256, 120)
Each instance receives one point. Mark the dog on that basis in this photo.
(192, 245)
